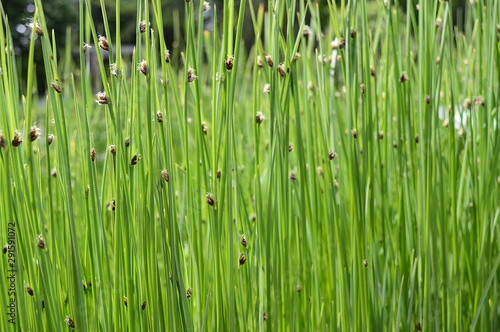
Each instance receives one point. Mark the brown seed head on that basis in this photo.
(56, 87)
(103, 43)
(2, 141)
(86, 47)
(467, 104)
(259, 118)
(381, 135)
(296, 57)
(243, 241)
(165, 175)
(142, 26)
(70, 322)
(267, 88)
(190, 75)
(306, 31)
(34, 133)
(354, 133)
(292, 176)
(479, 101)
(229, 63)
(135, 159)
(40, 242)
(362, 88)
(269, 60)
(159, 116)
(341, 43)
(372, 71)
(219, 173)
(204, 127)
(427, 99)
(206, 6)
(37, 27)
(259, 61)
(264, 315)
(17, 140)
(143, 305)
(167, 56)
(417, 139)
(189, 292)
(403, 78)
(143, 67)
(319, 170)
(102, 99)
(299, 288)
(50, 139)
(210, 199)
(5, 248)
(112, 150)
(53, 172)
(92, 154)
(243, 259)
(281, 70)
(331, 154)
(353, 33)
(127, 142)
(125, 301)
(290, 147)
(365, 263)
(29, 290)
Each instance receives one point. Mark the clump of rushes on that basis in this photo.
(56, 87)
(34, 133)
(37, 27)
(125, 301)
(143, 67)
(86, 47)
(143, 306)
(204, 127)
(159, 116)
(267, 88)
(92, 154)
(269, 60)
(50, 139)
(40, 242)
(102, 99)
(189, 292)
(142, 26)
(281, 70)
(112, 150)
(403, 77)
(190, 75)
(70, 322)
(103, 43)
(243, 241)
(165, 175)
(259, 118)
(331, 154)
(29, 290)
(242, 259)
(229, 63)
(135, 159)
(17, 140)
(210, 199)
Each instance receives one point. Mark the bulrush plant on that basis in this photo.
(161, 168)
